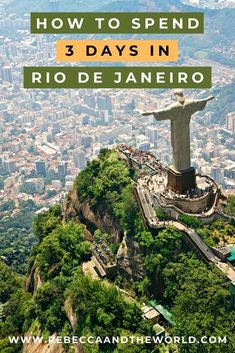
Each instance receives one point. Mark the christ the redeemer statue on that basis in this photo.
(180, 114)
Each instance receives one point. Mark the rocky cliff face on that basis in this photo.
(82, 212)
(32, 284)
(129, 260)
(34, 281)
(128, 257)
(70, 314)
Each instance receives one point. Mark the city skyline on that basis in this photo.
(66, 129)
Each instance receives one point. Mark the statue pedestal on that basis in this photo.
(182, 181)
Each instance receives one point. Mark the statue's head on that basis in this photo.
(179, 94)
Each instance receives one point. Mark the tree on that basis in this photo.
(190, 221)
(230, 207)
(46, 222)
(102, 309)
(145, 239)
(161, 215)
(9, 283)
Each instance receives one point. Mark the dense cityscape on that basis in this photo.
(48, 137)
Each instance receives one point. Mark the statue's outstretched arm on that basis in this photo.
(147, 113)
(208, 99)
(164, 114)
(201, 103)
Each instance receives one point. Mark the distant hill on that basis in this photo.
(146, 5)
(224, 104)
(26, 6)
(219, 24)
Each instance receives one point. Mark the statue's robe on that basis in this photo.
(180, 115)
